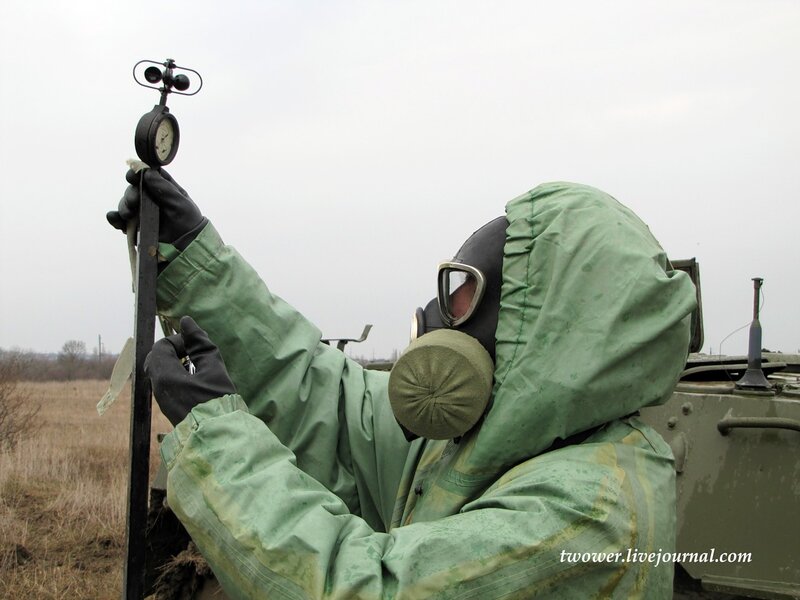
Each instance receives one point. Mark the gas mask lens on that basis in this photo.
(460, 291)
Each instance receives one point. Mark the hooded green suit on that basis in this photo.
(303, 486)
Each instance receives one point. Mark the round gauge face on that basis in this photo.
(165, 139)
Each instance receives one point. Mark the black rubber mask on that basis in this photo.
(469, 288)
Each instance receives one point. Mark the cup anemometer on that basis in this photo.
(157, 133)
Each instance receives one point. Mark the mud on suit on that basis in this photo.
(303, 486)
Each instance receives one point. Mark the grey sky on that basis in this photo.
(345, 147)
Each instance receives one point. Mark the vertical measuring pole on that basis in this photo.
(141, 408)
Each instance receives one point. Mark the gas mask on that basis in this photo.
(441, 385)
(468, 289)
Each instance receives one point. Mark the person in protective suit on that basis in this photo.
(501, 458)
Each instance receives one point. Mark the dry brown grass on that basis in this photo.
(63, 496)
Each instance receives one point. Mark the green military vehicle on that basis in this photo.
(733, 423)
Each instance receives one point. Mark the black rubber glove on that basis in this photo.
(179, 219)
(176, 390)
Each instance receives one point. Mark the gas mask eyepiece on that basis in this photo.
(468, 289)
(460, 290)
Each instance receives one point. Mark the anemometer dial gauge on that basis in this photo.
(157, 137)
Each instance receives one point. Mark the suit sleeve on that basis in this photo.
(269, 530)
(332, 414)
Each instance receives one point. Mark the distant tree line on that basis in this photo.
(71, 363)
(377, 364)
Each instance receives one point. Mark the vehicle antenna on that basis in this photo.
(754, 378)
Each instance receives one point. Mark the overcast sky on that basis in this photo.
(344, 148)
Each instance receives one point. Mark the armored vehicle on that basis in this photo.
(733, 423)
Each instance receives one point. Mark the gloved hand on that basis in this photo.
(179, 218)
(176, 390)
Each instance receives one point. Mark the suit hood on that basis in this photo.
(593, 324)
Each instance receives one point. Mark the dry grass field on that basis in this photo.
(63, 496)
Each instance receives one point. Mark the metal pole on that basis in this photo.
(754, 346)
(754, 377)
(141, 408)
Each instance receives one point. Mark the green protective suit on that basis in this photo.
(303, 486)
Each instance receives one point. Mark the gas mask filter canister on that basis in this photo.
(440, 387)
